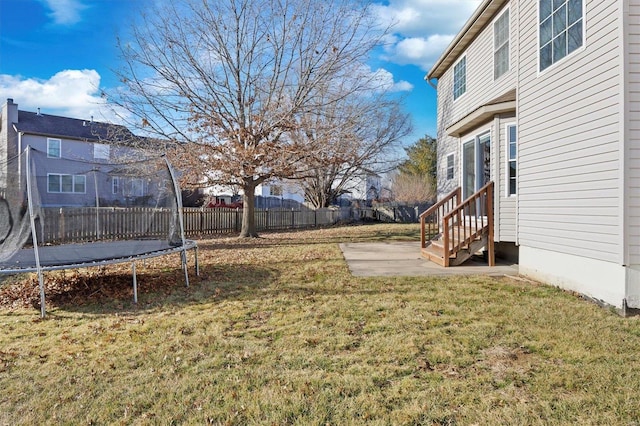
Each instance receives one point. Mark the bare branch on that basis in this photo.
(230, 80)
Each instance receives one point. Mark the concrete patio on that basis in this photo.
(403, 259)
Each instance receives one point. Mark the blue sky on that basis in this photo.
(58, 55)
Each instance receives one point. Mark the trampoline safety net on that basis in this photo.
(85, 212)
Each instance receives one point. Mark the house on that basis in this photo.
(542, 98)
(280, 190)
(66, 143)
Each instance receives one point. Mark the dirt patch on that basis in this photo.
(504, 362)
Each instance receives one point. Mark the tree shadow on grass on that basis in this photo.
(111, 292)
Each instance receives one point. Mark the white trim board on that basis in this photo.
(600, 280)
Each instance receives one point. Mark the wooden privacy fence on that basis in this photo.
(199, 221)
(68, 225)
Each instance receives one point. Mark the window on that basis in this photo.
(275, 190)
(460, 78)
(561, 29)
(115, 185)
(476, 163)
(501, 45)
(450, 166)
(79, 184)
(101, 151)
(53, 148)
(512, 151)
(71, 184)
(137, 188)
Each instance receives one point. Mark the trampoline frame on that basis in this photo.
(39, 268)
(189, 245)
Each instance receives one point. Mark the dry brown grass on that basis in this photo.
(277, 331)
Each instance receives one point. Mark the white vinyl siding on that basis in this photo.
(481, 88)
(501, 45)
(101, 151)
(569, 141)
(633, 132)
(560, 30)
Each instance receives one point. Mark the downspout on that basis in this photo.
(19, 150)
(20, 142)
(430, 83)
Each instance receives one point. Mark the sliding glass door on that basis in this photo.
(476, 164)
(468, 168)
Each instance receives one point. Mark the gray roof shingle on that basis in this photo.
(71, 128)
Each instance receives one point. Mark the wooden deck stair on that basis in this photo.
(453, 230)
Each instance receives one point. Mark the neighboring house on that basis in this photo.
(281, 189)
(373, 187)
(543, 98)
(366, 188)
(70, 183)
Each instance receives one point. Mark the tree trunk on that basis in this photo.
(248, 229)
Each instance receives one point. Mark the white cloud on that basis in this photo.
(65, 12)
(422, 29)
(385, 80)
(402, 86)
(419, 51)
(378, 80)
(70, 93)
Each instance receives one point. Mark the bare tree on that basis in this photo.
(412, 188)
(358, 136)
(228, 80)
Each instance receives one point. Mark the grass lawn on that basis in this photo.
(276, 331)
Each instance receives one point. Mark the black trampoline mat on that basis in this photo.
(68, 256)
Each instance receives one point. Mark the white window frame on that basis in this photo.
(451, 155)
(75, 180)
(50, 141)
(115, 185)
(506, 43)
(508, 159)
(458, 96)
(568, 55)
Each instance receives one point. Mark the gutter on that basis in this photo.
(52, 135)
(461, 34)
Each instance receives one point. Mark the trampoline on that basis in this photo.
(72, 256)
(60, 214)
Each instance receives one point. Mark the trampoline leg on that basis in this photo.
(195, 249)
(183, 254)
(135, 283)
(43, 309)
